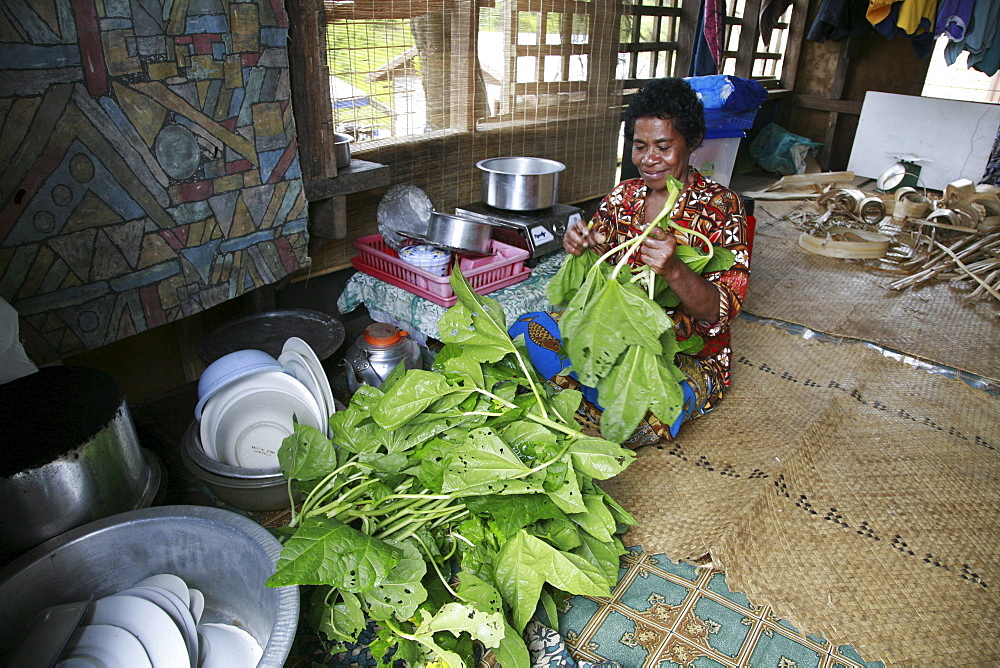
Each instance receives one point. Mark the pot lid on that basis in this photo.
(384, 335)
(403, 213)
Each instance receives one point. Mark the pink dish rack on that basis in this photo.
(485, 274)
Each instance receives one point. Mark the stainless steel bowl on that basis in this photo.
(342, 149)
(247, 489)
(227, 556)
(520, 183)
(70, 455)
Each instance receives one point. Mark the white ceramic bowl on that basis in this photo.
(253, 422)
(230, 368)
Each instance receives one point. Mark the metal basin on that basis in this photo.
(227, 556)
(520, 183)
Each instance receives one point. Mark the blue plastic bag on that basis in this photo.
(731, 103)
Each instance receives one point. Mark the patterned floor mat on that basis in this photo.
(664, 613)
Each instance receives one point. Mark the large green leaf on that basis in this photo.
(343, 621)
(598, 457)
(639, 383)
(620, 316)
(486, 464)
(306, 454)
(561, 533)
(417, 390)
(400, 592)
(521, 435)
(574, 318)
(602, 554)
(514, 512)
(597, 520)
(525, 563)
(566, 403)
(477, 323)
(325, 551)
(563, 286)
(567, 496)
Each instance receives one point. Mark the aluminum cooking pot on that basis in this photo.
(72, 455)
(520, 184)
(462, 235)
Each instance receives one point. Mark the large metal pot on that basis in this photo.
(520, 184)
(70, 455)
(462, 235)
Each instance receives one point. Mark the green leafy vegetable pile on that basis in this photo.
(616, 334)
(453, 503)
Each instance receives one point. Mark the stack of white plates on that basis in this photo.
(156, 623)
(244, 419)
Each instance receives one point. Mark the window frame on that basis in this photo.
(307, 48)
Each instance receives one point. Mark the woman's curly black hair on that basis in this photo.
(671, 98)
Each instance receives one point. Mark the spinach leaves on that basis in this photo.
(616, 334)
(451, 502)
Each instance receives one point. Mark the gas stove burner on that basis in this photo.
(540, 232)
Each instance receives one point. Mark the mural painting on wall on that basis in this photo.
(148, 164)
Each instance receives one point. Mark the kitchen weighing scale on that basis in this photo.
(538, 232)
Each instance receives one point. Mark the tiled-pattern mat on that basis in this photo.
(663, 613)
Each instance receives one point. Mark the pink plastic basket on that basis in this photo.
(485, 274)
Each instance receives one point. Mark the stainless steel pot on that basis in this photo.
(520, 184)
(462, 235)
(342, 149)
(71, 455)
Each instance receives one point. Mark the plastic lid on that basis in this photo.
(383, 335)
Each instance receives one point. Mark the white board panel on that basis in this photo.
(952, 139)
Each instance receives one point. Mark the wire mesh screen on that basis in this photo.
(431, 87)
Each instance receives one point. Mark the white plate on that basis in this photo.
(297, 345)
(148, 622)
(197, 605)
(225, 646)
(106, 645)
(302, 370)
(174, 607)
(227, 396)
(253, 423)
(171, 583)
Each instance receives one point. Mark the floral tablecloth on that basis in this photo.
(421, 315)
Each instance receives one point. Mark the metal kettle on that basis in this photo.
(373, 356)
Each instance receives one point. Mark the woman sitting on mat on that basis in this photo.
(666, 121)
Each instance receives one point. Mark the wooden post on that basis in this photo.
(310, 80)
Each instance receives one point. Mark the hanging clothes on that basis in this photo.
(922, 42)
(878, 10)
(981, 40)
(837, 19)
(710, 39)
(953, 18)
(917, 16)
(770, 12)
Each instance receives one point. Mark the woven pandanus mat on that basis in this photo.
(857, 496)
(934, 322)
